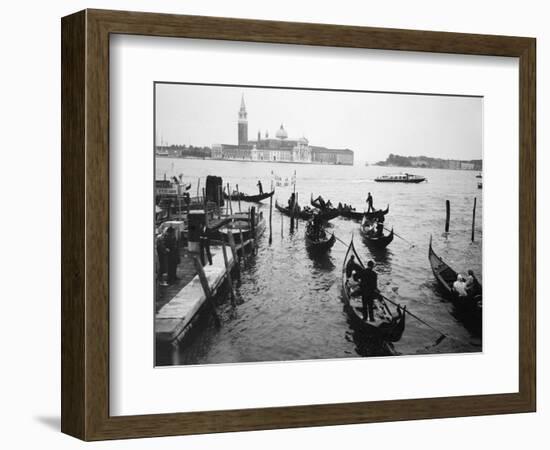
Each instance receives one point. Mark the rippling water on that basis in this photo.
(290, 302)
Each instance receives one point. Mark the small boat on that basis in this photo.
(248, 198)
(478, 175)
(306, 213)
(378, 214)
(240, 226)
(400, 178)
(370, 238)
(480, 185)
(321, 243)
(470, 307)
(388, 325)
(349, 213)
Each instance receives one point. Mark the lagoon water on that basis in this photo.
(290, 304)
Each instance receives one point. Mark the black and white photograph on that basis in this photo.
(304, 224)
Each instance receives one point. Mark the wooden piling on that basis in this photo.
(198, 186)
(448, 215)
(238, 197)
(229, 200)
(228, 274)
(270, 215)
(474, 219)
(296, 218)
(243, 247)
(206, 288)
(231, 241)
(281, 225)
(205, 201)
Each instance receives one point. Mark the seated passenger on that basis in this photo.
(459, 286)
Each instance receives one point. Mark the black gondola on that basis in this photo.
(306, 214)
(319, 244)
(370, 237)
(470, 307)
(388, 325)
(378, 214)
(248, 198)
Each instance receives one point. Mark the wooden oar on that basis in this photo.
(439, 339)
(400, 237)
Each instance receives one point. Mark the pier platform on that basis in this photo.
(174, 316)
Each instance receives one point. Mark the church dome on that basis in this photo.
(281, 133)
(303, 140)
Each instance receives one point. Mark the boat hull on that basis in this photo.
(389, 330)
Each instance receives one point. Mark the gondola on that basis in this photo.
(380, 213)
(349, 213)
(319, 245)
(248, 198)
(470, 307)
(373, 241)
(306, 214)
(389, 322)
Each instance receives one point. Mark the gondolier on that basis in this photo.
(260, 187)
(369, 203)
(369, 290)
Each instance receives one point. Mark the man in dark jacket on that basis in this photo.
(369, 203)
(172, 254)
(369, 290)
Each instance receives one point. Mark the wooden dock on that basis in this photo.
(174, 317)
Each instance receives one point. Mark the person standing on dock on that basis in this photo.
(162, 258)
(369, 291)
(172, 254)
(260, 187)
(369, 203)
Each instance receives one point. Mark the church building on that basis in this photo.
(281, 148)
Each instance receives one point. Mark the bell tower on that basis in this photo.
(243, 124)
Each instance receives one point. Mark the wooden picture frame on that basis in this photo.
(85, 224)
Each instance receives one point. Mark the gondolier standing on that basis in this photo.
(369, 203)
(260, 187)
(369, 290)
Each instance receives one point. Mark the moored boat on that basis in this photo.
(400, 178)
(319, 241)
(470, 307)
(370, 237)
(306, 213)
(389, 322)
(248, 198)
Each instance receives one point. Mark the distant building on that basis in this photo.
(278, 149)
(467, 166)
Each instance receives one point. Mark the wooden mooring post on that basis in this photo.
(231, 241)
(474, 219)
(243, 246)
(206, 288)
(271, 215)
(238, 197)
(229, 199)
(447, 215)
(228, 274)
(205, 201)
(281, 225)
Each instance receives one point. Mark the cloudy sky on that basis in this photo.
(373, 125)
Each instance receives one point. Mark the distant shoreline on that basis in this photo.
(252, 160)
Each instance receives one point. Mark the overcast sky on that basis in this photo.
(373, 125)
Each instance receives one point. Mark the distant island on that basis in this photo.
(430, 163)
